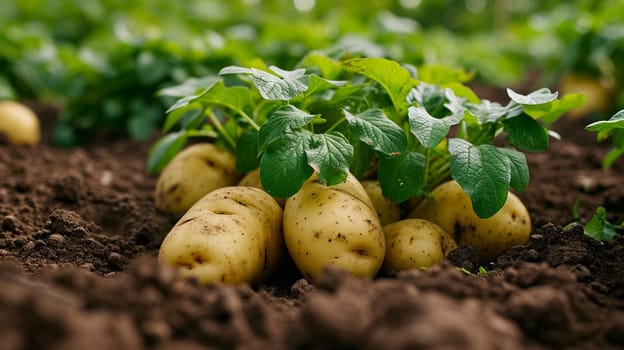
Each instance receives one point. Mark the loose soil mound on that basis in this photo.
(79, 236)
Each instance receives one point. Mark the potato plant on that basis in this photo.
(333, 116)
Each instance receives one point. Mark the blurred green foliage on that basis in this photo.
(104, 60)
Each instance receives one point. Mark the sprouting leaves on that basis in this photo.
(538, 97)
(395, 79)
(366, 115)
(375, 129)
(598, 227)
(285, 85)
(614, 128)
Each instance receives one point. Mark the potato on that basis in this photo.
(387, 211)
(231, 235)
(335, 226)
(415, 243)
(451, 209)
(599, 94)
(19, 124)
(191, 174)
(252, 179)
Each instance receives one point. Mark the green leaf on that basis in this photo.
(235, 70)
(185, 101)
(274, 88)
(556, 109)
(164, 150)
(189, 87)
(611, 156)
(519, 169)
(247, 152)
(235, 98)
(317, 84)
(187, 115)
(430, 97)
(428, 130)
(484, 172)
(442, 74)
(401, 178)
(600, 228)
(462, 91)
(526, 133)
(284, 166)
(538, 97)
(395, 79)
(374, 128)
(283, 120)
(362, 158)
(328, 67)
(288, 74)
(487, 111)
(615, 122)
(330, 156)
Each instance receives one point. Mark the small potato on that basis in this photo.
(19, 124)
(415, 243)
(231, 235)
(252, 179)
(387, 211)
(191, 174)
(335, 226)
(451, 209)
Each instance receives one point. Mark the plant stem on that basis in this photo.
(247, 118)
(331, 128)
(217, 124)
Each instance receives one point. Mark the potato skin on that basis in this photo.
(232, 235)
(451, 209)
(387, 211)
(19, 124)
(191, 174)
(326, 226)
(415, 243)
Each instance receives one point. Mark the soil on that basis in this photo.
(79, 236)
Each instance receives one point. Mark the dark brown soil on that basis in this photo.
(79, 236)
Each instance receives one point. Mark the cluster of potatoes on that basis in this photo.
(232, 231)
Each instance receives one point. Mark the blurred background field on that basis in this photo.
(103, 61)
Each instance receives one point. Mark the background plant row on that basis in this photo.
(104, 60)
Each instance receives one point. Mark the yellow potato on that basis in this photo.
(415, 243)
(599, 94)
(252, 179)
(191, 174)
(335, 226)
(387, 211)
(451, 209)
(232, 235)
(19, 124)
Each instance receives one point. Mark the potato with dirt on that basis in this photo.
(450, 208)
(333, 226)
(387, 211)
(231, 235)
(19, 125)
(191, 174)
(415, 243)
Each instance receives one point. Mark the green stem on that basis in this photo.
(331, 128)
(247, 118)
(217, 124)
